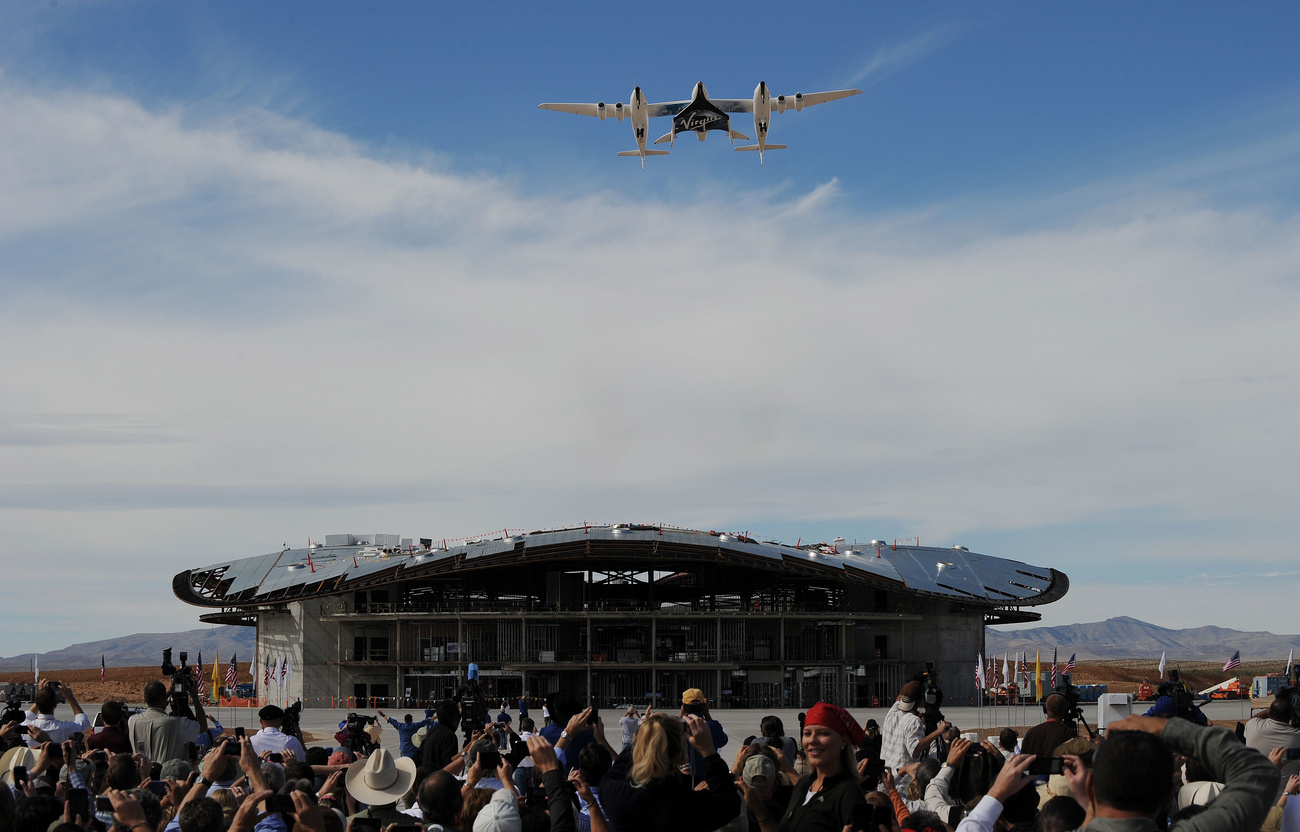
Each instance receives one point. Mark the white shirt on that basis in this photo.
(526, 762)
(273, 740)
(57, 729)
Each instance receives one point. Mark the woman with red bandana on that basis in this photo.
(825, 799)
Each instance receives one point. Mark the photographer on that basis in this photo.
(904, 740)
(112, 737)
(271, 739)
(440, 747)
(1275, 728)
(694, 703)
(158, 735)
(1042, 739)
(42, 714)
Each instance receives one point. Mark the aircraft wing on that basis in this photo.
(733, 105)
(576, 109)
(811, 98)
(665, 108)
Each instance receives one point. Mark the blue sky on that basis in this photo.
(280, 270)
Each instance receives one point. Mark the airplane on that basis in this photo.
(701, 114)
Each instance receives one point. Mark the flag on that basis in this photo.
(36, 670)
(232, 674)
(1162, 664)
(216, 680)
(1234, 662)
(1053, 668)
(266, 676)
(200, 684)
(1038, 674)
(1006, 671)
(284, 669)
(288, 673)
(1290, 657)
(979, 671)
(1069, 666)
(101, 667)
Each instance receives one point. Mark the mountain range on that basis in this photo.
(1129, 638)
(142, 649)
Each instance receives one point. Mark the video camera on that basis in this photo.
(931, 698)
(1291, 693)
(355, 727)
(1073, 713)
(290, 724)
(1184, 698)
(473, 708)
(182, 683)
(13, 711)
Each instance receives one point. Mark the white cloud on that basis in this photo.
(901, 55)
(323, 340)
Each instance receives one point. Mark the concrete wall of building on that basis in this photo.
(952, 640)
(279, 637)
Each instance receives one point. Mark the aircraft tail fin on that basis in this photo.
(638, 153)
(666, 137)
(765, 147)
(736, 134)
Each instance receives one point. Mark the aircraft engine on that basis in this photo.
(600, 110)
(781, 104)
(798, 101)
(619, 111)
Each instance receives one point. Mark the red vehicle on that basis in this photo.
(1235, 689)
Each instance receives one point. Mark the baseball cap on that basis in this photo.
(692, 695)
(759, 772)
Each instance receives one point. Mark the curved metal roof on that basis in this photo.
(352, 563)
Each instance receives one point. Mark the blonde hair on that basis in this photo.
(659, 749)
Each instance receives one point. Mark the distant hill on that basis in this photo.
(141, 649)
(1128, 638)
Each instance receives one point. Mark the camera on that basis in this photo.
(182, 681)
(473, 708)
(1291, 693)
(355, 727)
(1073, 713)
(931, 698)
(1184, 698)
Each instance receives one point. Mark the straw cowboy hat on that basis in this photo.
(18, 756)
(379, 779)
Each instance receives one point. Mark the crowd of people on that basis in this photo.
(156, 771)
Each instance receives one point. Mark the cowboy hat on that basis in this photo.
(19, 755)
(379, 779)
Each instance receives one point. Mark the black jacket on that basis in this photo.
(439, 747)
(669, 805)
(830, 810)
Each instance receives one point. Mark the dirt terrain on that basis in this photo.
(1122, 675)
(121, 683)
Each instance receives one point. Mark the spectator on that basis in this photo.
(112, 737)
(161, 737)
(271, 738)
(406, 730)
(439, 800)
(628, 724)
(904, 739)
(1272, 729)
(41, 715)
(773, 736)
(767, 791)
(1007, 741)
(379, 781)
(566, 730)
(826, 798)
(593, 764)
(501, 814)
(440, 747)
(870, 748)
(694, 702)
(645, 790)
(1047, 735)
(524, 771)
(1060, 814)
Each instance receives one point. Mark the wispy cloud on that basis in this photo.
(889, 59)
(351, 341)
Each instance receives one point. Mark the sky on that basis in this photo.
(270, 271)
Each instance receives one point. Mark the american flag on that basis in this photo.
(1069, 666)
(266, 673)
(284, 668)
(101, 667)
(201, 683)
(1053, 667)
(232, 672)
(1233, 663)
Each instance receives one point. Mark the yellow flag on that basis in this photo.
(1038, 674)
(216, 680)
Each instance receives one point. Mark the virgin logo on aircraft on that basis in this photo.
(699, 119)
